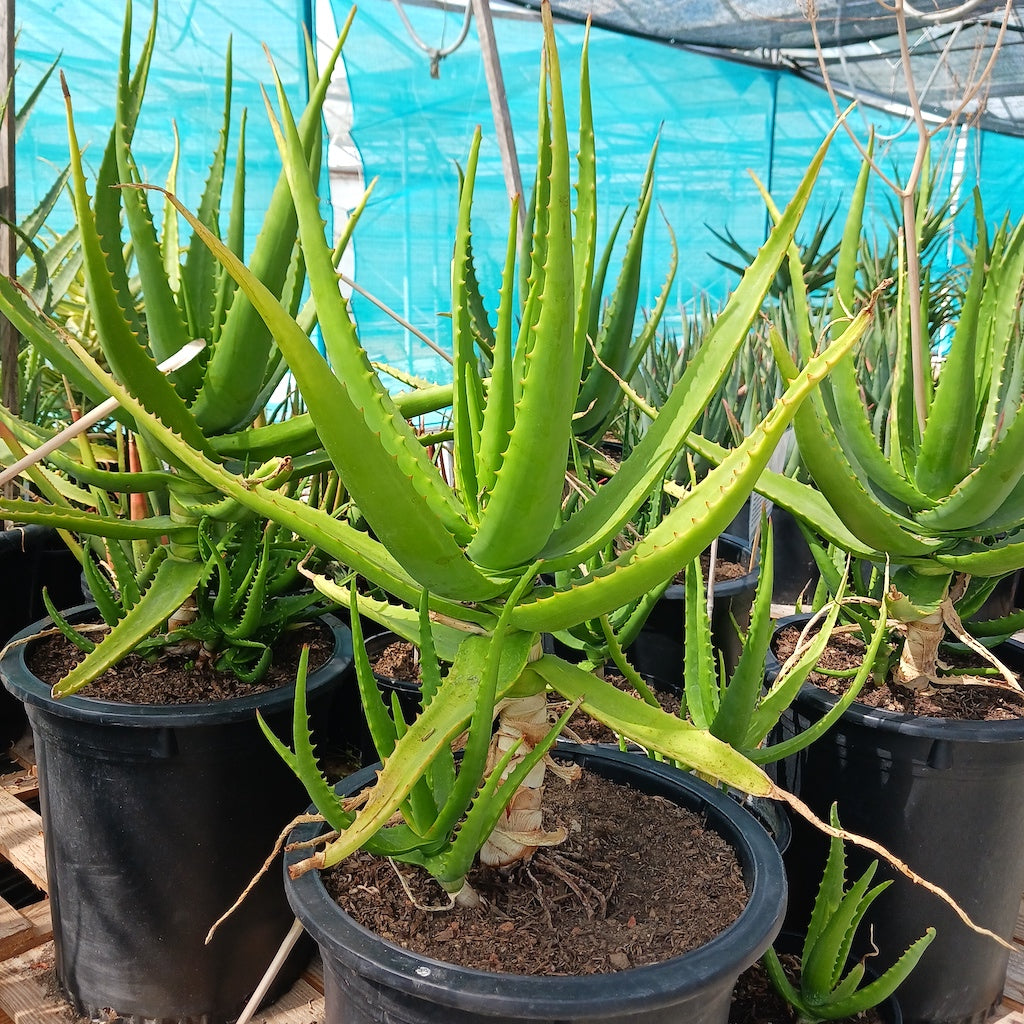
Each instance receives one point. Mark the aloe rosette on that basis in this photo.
(460, 565)
(938, 491)
(828, 986)
(141, 298)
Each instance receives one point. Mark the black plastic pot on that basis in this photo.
(796, 572)
(155, 818)
(367, 979)
(660, 647)
(945, 796)
(31, 558)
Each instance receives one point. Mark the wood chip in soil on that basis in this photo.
(964, 702)
(177, 678)
(652, 882)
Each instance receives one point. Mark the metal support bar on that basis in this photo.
(499, 104)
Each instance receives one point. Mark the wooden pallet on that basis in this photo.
(26, 947)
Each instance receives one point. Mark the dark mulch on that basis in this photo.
(177, 678)
(654, 883)
(964, 702)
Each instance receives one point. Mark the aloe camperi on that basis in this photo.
(469, 556)
(141, 298)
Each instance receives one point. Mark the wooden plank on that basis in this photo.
(23, 995)
(17, 933)
(24, 784)
(302, 1004)
(1002, 1016)
(1013, 992)
(314, 974)
(21, 838)
(39, 915)
(24, 929)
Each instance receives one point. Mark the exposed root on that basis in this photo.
(302, 819)
(452, 899)
(541, 900)
(593, 900)
(903, 868)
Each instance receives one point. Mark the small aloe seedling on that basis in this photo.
(735, 707)
(825, 988)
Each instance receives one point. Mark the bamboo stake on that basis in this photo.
(184, 355)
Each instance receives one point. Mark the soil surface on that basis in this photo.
(755, 1001)
(638, 880)
(176, 678)
(965, 702)
(399, 660)
(724, 570)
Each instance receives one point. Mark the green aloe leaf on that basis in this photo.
(841, 392)
(523, 505)
(700, 515)
(236, 371)
(602, 518)
(654, 728)
(174, 582)
(127, 357)
(947, 446)
(468, 398)
(741, 695)
(699, 671)
(881, 988)
(831, 469)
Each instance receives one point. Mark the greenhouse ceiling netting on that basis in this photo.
(404, 115)
(859, 41)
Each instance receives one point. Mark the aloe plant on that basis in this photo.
(51, 261)
(937, 492)
(466, 558)
(144, 296)
(828, 987)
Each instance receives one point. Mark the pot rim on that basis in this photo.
(929, 726)
(662, 984)
(27, 687)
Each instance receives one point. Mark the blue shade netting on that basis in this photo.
(720, 122)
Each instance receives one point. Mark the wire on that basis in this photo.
(436, 55)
